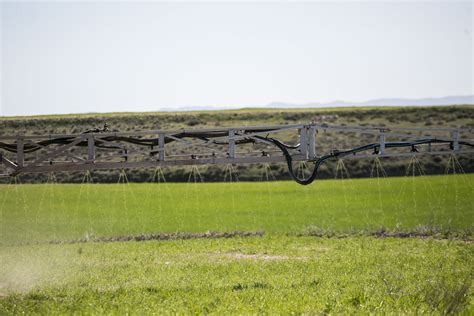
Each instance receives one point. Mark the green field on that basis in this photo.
(46, 212)
(270, 274)
(318, 253)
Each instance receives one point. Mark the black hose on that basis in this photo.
(337, 154)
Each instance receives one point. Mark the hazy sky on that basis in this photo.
(62, 57)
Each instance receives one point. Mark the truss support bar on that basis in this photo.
(311, 143)
(54, 153)
(455, 136)
(161, 147)
(304, 141)
(7, 162)
(20, 155)
(382, 143)
(90, 149)
(231, 144)
(222, 161)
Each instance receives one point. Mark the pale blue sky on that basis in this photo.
(62, 57)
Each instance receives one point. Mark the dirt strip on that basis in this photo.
(393, 234)
(464, 237)
(163, 236)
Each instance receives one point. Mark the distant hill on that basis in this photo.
(443, 101)
(449, 100)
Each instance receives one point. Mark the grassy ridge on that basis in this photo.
(31, 213)
(241, 110)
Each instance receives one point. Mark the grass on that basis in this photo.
(33, 213)
(288, 270)
(273, 274)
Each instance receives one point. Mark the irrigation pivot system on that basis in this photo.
(101, 148)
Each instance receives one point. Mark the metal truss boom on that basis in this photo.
(59, 152)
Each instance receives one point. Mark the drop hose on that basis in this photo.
(338, 154)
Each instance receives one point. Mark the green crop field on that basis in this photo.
(321, 251)
(272, 274)
(46, 212)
